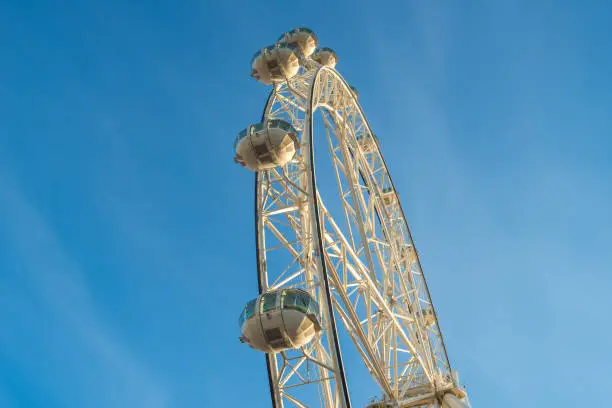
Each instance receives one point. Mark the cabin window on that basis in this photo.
(268, 302)
(289, 299)
(248, 312)
(240, 136)
(298, 300)
(313, 308)
(302, 301)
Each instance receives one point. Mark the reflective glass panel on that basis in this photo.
(302, 302)
(313, 308)
(249, 310)
(288, 298)
(268, 301)
(242, 318)
(287, 127)
(240, 136)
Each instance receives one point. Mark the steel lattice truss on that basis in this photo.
(363, 270)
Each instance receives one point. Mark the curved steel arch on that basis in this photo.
(399, 204)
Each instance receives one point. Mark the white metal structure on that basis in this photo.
(361, 267)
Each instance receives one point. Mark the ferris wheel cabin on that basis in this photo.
(368, 142)
(408, 254)
(275, 63)
(325, 56)
(304, 38)
(280, 320)
(428, 316)
(389, 196)
(266, 145)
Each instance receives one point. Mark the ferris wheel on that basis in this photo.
(357, 273)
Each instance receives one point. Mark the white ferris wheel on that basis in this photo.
(358, 273)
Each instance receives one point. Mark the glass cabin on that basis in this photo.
(325, 56)
(295, 299)
(388, 195)
(259, 127)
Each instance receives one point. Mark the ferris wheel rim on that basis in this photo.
(310, 109)
(364, 117)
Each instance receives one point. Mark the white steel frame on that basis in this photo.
(366, 275)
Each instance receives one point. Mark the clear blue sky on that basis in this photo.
(126, 230)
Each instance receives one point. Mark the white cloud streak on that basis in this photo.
(56, 288)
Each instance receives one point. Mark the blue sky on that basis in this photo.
(126, 240)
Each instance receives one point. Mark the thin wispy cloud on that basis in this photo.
(54, 294)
